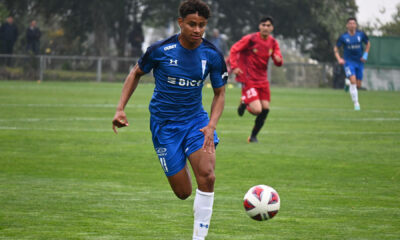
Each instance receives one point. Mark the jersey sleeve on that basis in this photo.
(364, 37)
(236, 48)
(339, 42)
(146, 61)
(218, 71)
(277, 52)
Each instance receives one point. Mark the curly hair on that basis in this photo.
(194, 6)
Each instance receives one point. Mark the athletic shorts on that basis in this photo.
(174, 141)
(250, 94)
(352, 68)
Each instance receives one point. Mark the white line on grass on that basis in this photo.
(109, 130)
(380, 119)
(95, 105)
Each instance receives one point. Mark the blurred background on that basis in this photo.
(101, 40)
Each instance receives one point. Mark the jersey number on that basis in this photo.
(251, 93)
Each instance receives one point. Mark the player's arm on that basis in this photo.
(337, 55)
(277, 55)
(365, 55)
(131, 82)
(217, 107)
(339, 43)
(236, 48)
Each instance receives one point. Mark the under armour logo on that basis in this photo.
(203, 225)
(173, 62)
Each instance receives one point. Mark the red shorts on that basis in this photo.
(250, 94)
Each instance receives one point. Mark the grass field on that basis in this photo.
(64, 174)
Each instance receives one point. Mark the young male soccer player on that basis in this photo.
(354, 56)
(249, 60)
(180, 126)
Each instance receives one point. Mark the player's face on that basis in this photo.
(266, 28)
(351, 25)
(192, 28)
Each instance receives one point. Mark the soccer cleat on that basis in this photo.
(241, 109)
(252, 139)
(357, 107)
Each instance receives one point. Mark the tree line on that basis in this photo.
(71, 25)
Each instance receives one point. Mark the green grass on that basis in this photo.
(64, 174)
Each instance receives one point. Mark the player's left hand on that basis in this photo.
(208, 145)
(277, 58)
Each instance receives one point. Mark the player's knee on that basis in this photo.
(255, 110)
(183, 194)
(207, 180)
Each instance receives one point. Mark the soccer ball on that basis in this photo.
(261, 202)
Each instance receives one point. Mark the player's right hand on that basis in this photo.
(119, 121)
(237, 71)
(341, 61)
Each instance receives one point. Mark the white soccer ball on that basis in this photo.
(261, 202)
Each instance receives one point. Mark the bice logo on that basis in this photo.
(173, 62)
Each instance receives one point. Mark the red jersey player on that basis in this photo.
(249, 61)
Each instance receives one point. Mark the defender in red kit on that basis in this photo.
(249, 61)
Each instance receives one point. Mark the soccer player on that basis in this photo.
(179, 124)
(249, 61)
(354, 56)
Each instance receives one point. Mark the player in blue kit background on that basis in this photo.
(179, 124)
(354, 56)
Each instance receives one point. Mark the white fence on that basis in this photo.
(109, 69)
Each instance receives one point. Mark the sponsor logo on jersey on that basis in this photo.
(184, 82)
(173, 62)
(170, 47)
(171, 80)
(355, 46)
(358, 38)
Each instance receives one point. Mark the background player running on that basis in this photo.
(354, 56)
(180, 126)
(249, 60)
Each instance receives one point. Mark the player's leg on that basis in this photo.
(168, 143)
(255, 107)
(351, 74)
(354, 92)
(359, 75)
(242, 104)
(203, 164)
(181, 183)
(265, 97)
(359, 84)
(250, 101)
(260, 120)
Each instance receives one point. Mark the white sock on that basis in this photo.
(202, 207)
(354, 94)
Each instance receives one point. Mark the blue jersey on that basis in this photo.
(352, 45)
(179, 77)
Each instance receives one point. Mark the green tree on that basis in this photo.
(3, 12)
(315, 25)
(392, 28)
